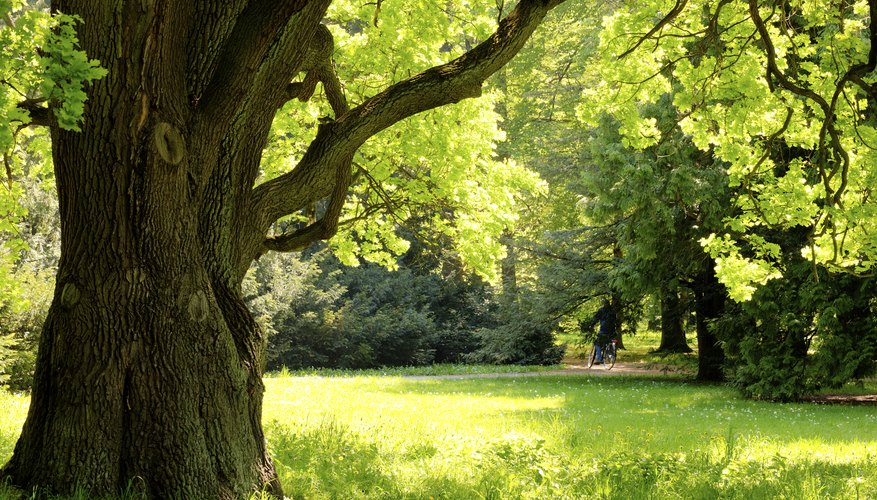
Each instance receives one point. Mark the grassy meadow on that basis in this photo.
(561, 437)
(549, 436)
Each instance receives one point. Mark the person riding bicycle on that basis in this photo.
(606, 317)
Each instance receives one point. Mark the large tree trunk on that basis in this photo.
(140, 380)
(149, 367)
(672, 331)
(709, 305)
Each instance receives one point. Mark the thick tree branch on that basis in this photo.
(854, 74)
(773, 71)
(291, 92)
(319, 67)
(243, 94)
(314, 177)
(838, 154)
(334, 91)
(324, 228)
(40, 116)
(258, 28)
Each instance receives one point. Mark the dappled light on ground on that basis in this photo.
(552, 436)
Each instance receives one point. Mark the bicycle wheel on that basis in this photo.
(592, 356)
(609, 357)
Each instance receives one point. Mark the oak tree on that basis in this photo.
(149, 367)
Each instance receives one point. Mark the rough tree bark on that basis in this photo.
(149, 368)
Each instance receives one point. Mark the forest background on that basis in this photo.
(673, 159)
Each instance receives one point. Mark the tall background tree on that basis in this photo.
(149, 364)
(752, 81)
(558, 266)
(783, 95)
(661, 201)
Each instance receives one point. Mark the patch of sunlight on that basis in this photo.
(402, 415)
(810, 450)
(11, 420)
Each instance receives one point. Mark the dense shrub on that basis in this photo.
(319, 313)
(523, 338)
(800, 334)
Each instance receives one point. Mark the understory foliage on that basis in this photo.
(27, 284)
(320, 313)
(20, 327)
(800, 334)
(524, 336)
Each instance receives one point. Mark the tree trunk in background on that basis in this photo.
(617, 303)
(672, 331)
(709, 305)
(509, 264)
(509, 267)
(618, 309)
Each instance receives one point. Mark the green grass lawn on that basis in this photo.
(561, 437)
(550, 437)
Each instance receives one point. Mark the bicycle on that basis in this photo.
(610, 353)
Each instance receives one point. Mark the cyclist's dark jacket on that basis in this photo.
(606, 317)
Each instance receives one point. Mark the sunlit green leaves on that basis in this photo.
(41, 66)
(741, 275)
(65, 70)
(773, 135)
(440, 168)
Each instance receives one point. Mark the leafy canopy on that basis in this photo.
(439, 168)
(782, 93)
